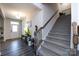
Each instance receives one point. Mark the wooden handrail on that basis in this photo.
(47, 22)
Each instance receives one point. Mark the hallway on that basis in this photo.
(16, 47)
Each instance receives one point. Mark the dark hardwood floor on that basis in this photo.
(16, 47)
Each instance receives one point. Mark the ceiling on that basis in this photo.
(21, 9)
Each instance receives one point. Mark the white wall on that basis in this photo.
(75, 12)
(8, 34)
(47, 29)
(37, 19)
(42, 16)
(1, 24)
(1, 21)
(6, 30)
(26, 22)
(74, 19)
(49, 10)
(64, 6)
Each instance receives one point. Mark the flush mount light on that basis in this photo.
(16, 23)
(17, 14)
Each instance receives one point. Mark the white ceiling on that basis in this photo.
(23, 8)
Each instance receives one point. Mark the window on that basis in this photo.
(13, 22)
(14, 26)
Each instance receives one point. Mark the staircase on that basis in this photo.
(57, 42)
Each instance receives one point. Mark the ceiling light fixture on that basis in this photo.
(18, 15)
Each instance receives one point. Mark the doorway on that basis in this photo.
(16, 29)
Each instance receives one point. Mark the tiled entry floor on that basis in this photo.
(16, 48)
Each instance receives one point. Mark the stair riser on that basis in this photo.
(60, 36)
(59, 40)
(57, 43)
(55, 46)
(55, 49)
(50, 51)
(62, 29)
(46, 52)
(62, 32)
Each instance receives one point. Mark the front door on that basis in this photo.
(15, 29)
